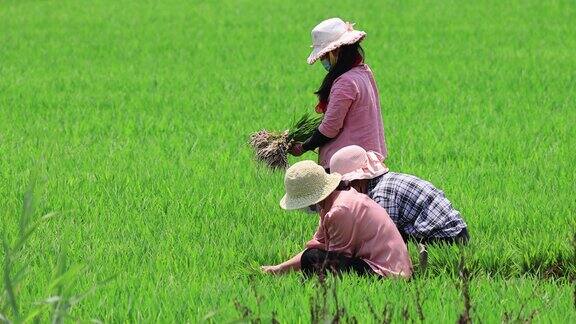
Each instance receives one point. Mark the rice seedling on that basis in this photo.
(271, 148)
(57, 306)
(523, 315)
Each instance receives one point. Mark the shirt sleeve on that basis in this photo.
(316, 140)
(344, 91)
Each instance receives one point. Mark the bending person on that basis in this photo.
(420, 210)
(354, 233)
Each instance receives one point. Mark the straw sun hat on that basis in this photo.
(354, 163)
(306, 184)
(331, 34)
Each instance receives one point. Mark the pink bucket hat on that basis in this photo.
(331, 34)
(354, 163)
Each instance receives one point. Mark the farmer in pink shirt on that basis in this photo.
(348, 96)
(354, 233)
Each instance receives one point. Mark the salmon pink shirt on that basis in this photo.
(353, 224)
(352, 115)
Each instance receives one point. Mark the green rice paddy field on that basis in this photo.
(133, 118)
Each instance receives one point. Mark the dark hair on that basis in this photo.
(343, 186)
(347, 57)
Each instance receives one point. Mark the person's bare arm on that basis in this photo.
(292, 264)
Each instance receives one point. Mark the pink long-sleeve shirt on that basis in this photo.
(352, 115)
(353, 224)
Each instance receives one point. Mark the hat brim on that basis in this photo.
(373, 168)
(347, 38)
(331, 183)
(362, 174)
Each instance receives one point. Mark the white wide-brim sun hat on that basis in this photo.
(331, 34)
(306, 183)
(355, 163)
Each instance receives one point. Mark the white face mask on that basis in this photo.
(326, 64)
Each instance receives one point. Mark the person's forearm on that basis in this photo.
(291, 265)
(316, 140)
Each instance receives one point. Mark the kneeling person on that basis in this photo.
(354, 233)
(420, 210)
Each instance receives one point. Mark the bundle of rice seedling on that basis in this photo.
(272, 148)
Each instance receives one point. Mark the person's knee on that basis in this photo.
(313, 255)
(311, 258)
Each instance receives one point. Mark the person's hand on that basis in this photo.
(296, 149)
(275, 270)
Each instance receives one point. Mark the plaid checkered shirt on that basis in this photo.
(416, 206)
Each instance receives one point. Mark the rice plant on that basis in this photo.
(272, 148)
(57, 306)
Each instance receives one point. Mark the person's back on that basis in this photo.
(360, 122)
(416, 206)
(356, 226)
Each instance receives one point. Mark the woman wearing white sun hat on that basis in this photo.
(419, 209)
(354, 233)
(348, 96)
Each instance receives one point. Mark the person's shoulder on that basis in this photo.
(344, 194)
(348, 197)
(343, 199)
(347, 77)
(354, 74)
(347, 82)
(365, 67)
(365, 71)
(336, 212)
(405, 179)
